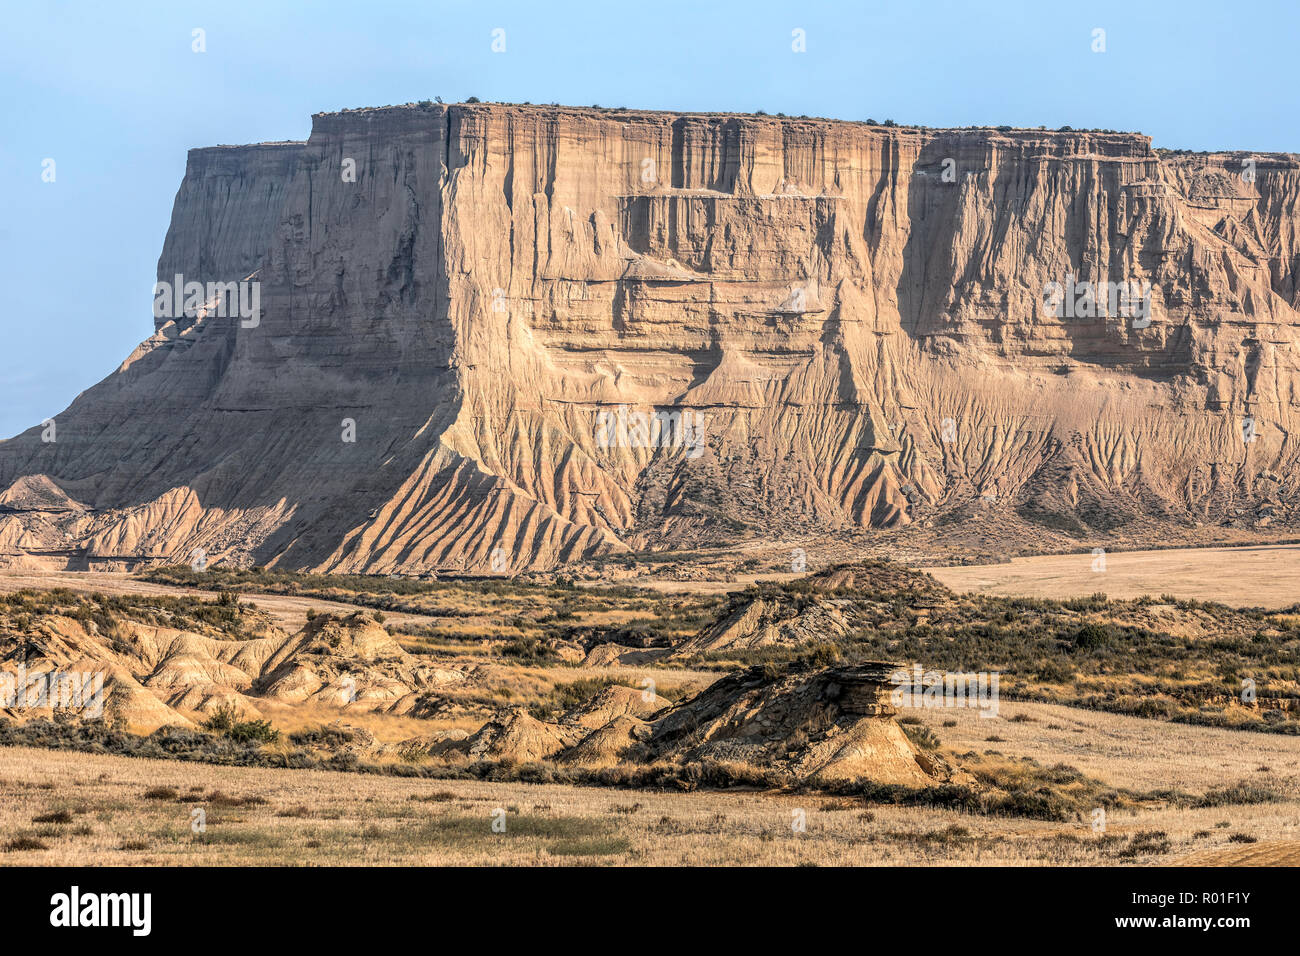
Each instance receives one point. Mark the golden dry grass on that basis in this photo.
(1267, 853)
(1265, 576)
(1121, 750)
(307, 817)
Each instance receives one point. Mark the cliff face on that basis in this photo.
(850, 318)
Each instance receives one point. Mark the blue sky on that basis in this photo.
(115, 95)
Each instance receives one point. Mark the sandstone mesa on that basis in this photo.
(852, 314)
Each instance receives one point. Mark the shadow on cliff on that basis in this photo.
(178, 418)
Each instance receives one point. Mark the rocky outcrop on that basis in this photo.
(149, 676)
(777, 621)
(613, 702)
(842, 326)
(821, 727)
(821, 609)
(518, 737)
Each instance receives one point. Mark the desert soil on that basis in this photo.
(1267, 576)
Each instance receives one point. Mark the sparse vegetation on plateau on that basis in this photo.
(1157, 657)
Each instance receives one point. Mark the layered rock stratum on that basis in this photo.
(850, 318)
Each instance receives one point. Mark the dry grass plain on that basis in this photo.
(1123, 750)
(94, 810)
(1266, 576)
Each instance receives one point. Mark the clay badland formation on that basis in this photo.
(170, 665)
(792, 682)
(850, 316)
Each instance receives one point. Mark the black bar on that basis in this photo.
(331, 906)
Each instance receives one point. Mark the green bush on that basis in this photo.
(921, 736)
(1092, 636)
(225, 721)
(529, 649)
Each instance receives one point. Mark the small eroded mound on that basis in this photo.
(777, 621)
(817, 609)
(613, 702)
(819, 727)
(519, 737)
(617, 742)
(877, 577)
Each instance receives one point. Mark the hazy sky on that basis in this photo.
(114, 94)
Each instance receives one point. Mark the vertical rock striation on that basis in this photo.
(852, 317)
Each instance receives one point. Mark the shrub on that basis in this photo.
(24, 843)
(530, 649)
(222, 719)
(1055, 672)
(1239, 793)
(921, 736)
(1146, 841)
(248, 731)
(57, 816)
(225, 721)
(819, 655)
(1092, 636)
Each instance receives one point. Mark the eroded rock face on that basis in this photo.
(847, 321)
(150, 676)
(821, 727)
(767, 623)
